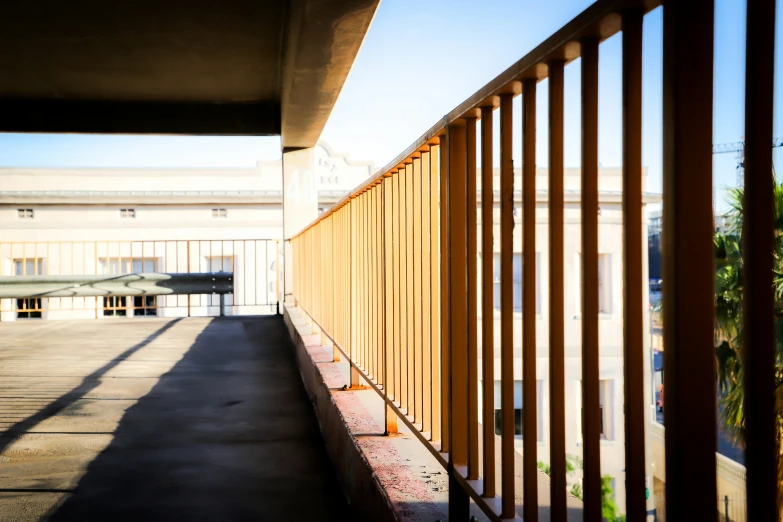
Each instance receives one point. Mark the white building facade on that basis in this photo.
(105, 221)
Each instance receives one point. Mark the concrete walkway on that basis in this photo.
(152, 420)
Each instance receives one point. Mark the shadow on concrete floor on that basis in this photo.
(89, 383)
(228, 434)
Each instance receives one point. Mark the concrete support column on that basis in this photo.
(7, 310)
(300, 204)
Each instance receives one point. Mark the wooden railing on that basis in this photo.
(389, 274)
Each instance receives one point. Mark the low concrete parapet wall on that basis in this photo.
(358, 480)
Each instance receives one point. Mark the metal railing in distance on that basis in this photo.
(253, 263)
(37, 286)
(384, 273)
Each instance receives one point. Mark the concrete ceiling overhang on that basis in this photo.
(227, 67)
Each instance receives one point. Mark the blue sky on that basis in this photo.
(422, 58)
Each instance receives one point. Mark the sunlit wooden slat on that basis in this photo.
(435, 302)
(410, 297)
(529, 392)
(396, 326)
(557, 421)
(417, 297)
(487, 304)
(403, 295)
(426, 287)
(472, 300)
(507, 451)
(591, 412)
(457, 304)
(445, 329)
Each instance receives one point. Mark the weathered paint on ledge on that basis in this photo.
(385, 478)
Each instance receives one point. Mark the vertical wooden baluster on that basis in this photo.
(369, 289)
(458, 347)
(389, 296)
(341, 246)
(507, 451)
(349, 282)
(688, 262)
(360, 276)
(360, 309)
(487, 303)
(338, 246)
(375, 234)
(472, 301)
(633, 248)
(591, 409)
(364, 303)
(403, 295)
(353, 278)
(370, 292)
(341, 264)
(457, 194)
(435, 302)
(426, 285)
(379, 299)
(375, 259)
(409, 293)
(445, 329)
(529, 392)
(349, 276)
(395, 212)
(417, 298)
(758, 231)
(367, 295)
(379, 296)
(557, 423)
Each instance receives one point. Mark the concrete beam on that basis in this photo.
(235, 67)
(137, 117)
(320, 46)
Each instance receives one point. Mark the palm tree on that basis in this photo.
(728, 320)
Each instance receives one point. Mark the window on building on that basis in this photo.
(119, 305)
(605, 305)
(25, 267)
(145, 305)
(128, 213)
(518, 409)
(517, 422)
(29, 308)
(217, 264)
(219, 213)
(115, 306)
(516, 279)
(126, 265)
(25, 213)
(605, 408)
